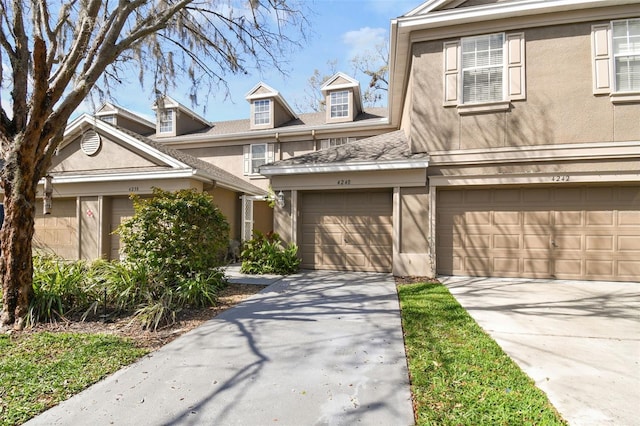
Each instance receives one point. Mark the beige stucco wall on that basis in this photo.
(262, 217)
(110, 156)
(229, 204)
(559, 109)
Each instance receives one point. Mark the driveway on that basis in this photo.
(579, 341)
(315, 348)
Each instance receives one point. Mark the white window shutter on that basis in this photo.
(270, 158)
(246, 156)
(601, 53)
(515, 65)
(451, 71)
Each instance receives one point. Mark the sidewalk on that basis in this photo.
(315, 348)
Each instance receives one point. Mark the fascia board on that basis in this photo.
(344, 167)
(127, 176)
(500, 11)
(159, 175)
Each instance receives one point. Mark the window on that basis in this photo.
(482, 68)
(626, 55)
(261, 112)
(339, 104)
(166, 121)
(256, 155)
(487, 69)
(111, 118)
(331, 142)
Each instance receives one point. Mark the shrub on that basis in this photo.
(61, 288)
(265, 254)
(175, 234)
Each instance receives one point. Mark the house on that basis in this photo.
(514, 150)
(107, 156)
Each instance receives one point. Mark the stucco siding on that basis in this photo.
(559, 108)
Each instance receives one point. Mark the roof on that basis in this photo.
(304, 120)
(218, 174)
(385, 151)
(177, 163)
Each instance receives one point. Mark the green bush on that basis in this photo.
(175, 234)
(265, 254)
(61, 288)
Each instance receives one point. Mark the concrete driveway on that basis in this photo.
(316, 348)
(578, 340)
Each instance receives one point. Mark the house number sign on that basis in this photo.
(133, 189)
(560, 178)
(344, 182)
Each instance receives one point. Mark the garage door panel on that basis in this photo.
(600, 218)
(562, 232)
(629, 269)
(350, 230)
(629, 218)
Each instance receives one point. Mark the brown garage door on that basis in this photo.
(588, 233)
(57, 232)
(346, 230)
(121, 210)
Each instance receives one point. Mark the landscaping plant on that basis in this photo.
(266, 254)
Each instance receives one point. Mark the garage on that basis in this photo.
(346, 230)
(582, 232)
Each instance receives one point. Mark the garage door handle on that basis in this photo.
(553, 244)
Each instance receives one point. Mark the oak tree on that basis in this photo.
(55, 54)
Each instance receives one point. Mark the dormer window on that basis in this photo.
(111, 119)
(165, 119)
(339, 102)
(261, 112)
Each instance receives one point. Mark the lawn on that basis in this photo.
(38, 370)
(459, 375)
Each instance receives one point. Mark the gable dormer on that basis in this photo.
(126, 119)
(342, 98)
(268, 108)
(174, 119)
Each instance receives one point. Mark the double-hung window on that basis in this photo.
(484, 70)
(339, 104)
(333, 142)
(261, 112)
(626, 54)
(166, 121)
(256, 155)
(616, 59)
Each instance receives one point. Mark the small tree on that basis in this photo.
(55, 53)
(175, 235)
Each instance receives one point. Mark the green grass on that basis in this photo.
(459, 375)
(39, 370)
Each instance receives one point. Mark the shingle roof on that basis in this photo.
(220, 175)
(308, 119)
(391, 146)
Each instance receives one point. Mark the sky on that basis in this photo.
(339, 29)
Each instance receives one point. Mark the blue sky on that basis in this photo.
(339, 30)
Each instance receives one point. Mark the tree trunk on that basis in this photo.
(19, 182)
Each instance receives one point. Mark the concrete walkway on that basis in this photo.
(579, 341)
(316, 348)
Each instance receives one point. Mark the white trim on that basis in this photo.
(344, 167)
(538, 153)
(169, 102)
(537, 179)
(273, 93)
